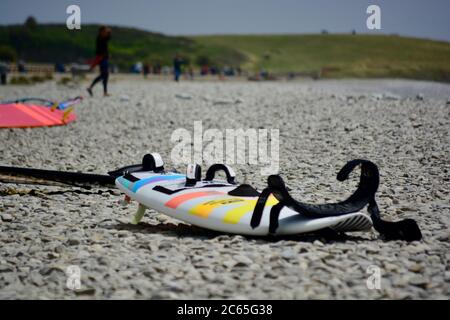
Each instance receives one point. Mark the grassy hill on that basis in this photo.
(332, 56)
(360, 56)
(55, 43)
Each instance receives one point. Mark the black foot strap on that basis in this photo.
(274, 215)
(363, 196)
(406, 229)
(229, 172)
(259, 208)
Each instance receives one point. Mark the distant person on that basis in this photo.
(177, 63)
(191, 72)
(3, 72)
(146, 69)
(60, 68)
(157, 68)
(102, 59)
(21, 66)
(204, 70)
(239, 71)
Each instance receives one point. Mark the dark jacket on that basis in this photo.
(177, 63)
(102, 47)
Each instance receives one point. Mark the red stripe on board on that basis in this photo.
(175, 202)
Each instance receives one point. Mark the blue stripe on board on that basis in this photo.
(124, 182)
(139, 184)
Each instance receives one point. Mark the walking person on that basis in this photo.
(102, 59)
(3, 72)
(177, 63)
(146, 69)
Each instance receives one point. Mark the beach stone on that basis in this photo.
(53, 255)
(322, 125)
(85, 292)
(288, 254)
(243, 260)
(416, 267)
(183, 96)
(73, 242)
(6, 217)
(443, 235)
(391, 96)
(5, 268)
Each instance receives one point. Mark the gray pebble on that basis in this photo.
(322, 125)
(6, 217)
(73, 242)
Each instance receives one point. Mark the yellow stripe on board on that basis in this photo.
(234, 215)
(204, 209)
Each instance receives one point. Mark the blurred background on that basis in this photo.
(255, 40)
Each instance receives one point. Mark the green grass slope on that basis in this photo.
(330, 56)
(55, 43)
(336, 56)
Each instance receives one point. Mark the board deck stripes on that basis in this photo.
(139, 184)
(178, 200)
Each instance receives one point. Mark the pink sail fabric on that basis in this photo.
(18, 115)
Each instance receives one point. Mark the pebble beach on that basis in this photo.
(402, 126)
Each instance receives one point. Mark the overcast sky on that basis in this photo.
(418, 18)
